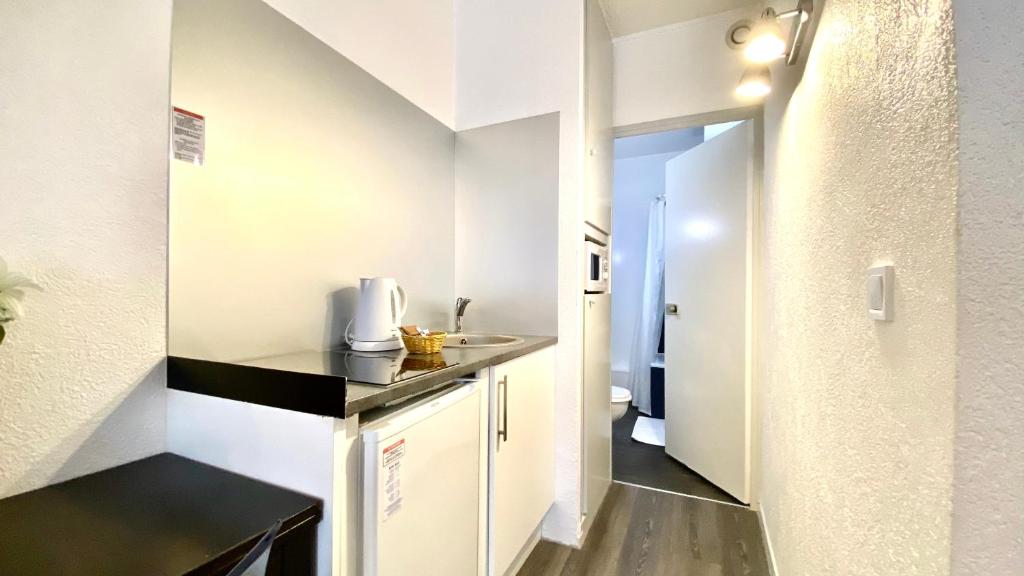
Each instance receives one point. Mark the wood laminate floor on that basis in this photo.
(638, 463)
(646, 532)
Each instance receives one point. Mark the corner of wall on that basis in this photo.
(83, 377)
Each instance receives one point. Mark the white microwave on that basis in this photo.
(598, 268)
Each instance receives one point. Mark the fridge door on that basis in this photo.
(422, 490)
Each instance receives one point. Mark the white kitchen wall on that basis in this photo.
(517, 60)
(678, 70)
(83, 190)
(988, 499)
(407, 44)
(861, 168)
(506, 226)
(316, 174)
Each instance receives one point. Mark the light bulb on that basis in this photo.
(756, 82)
(766, 42)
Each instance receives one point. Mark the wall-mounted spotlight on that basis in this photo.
(756, 82)
(763, 42)
(766, 42)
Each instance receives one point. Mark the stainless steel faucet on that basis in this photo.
(460, 310)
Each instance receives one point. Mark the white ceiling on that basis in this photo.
(632, 16)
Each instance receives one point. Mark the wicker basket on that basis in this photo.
(421, 362)
(429, 344)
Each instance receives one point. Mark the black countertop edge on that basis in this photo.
(318, 394)
(328, 395)
(363, 397)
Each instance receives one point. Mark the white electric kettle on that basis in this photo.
(382, 303)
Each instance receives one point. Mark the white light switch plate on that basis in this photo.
(880, 284)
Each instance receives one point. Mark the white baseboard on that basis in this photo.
(773, 568)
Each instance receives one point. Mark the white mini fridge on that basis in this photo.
(422, 487)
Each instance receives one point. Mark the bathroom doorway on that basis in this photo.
(682, 303)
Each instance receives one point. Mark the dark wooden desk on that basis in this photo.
(163, 515)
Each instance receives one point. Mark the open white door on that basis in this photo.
(708, 256)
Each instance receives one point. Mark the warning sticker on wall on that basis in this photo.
(392, 471)
(188, 136)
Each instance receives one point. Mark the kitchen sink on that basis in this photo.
(479, 340)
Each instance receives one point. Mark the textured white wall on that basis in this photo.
(861, 167)
(516, 60)
(407, 44)
(988, 500)
(316, 174)
(677, 70)
(83, 189)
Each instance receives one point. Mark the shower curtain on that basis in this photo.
(648, 328)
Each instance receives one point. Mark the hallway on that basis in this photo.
(640, 531)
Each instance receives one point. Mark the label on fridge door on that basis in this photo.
(188, 136)
(392, 472)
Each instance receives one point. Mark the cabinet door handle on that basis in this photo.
(503, 426)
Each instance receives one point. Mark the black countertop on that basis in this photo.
(311, 381)
(362, 397)
(160, 515)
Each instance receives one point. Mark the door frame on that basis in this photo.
(753, 360)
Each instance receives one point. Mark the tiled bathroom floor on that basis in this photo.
(645, 465)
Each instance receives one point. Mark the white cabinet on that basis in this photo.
(422, 487)
(597, 387)
(523, 452)
(599, 131)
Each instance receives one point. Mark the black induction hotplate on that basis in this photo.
(385, 368)
(374, 368)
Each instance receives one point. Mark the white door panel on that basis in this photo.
(421, 489)
(600, 138)
(709, 191)
(597, 392)
(524, 453)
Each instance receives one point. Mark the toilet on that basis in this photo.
(620, 402)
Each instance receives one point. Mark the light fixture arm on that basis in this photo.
(798, 32)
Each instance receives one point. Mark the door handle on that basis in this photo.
(503, 424)
(671, 310)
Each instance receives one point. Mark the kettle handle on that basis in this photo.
(348, 327)
(401, 305)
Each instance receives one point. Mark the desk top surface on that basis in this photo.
(160, 515)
